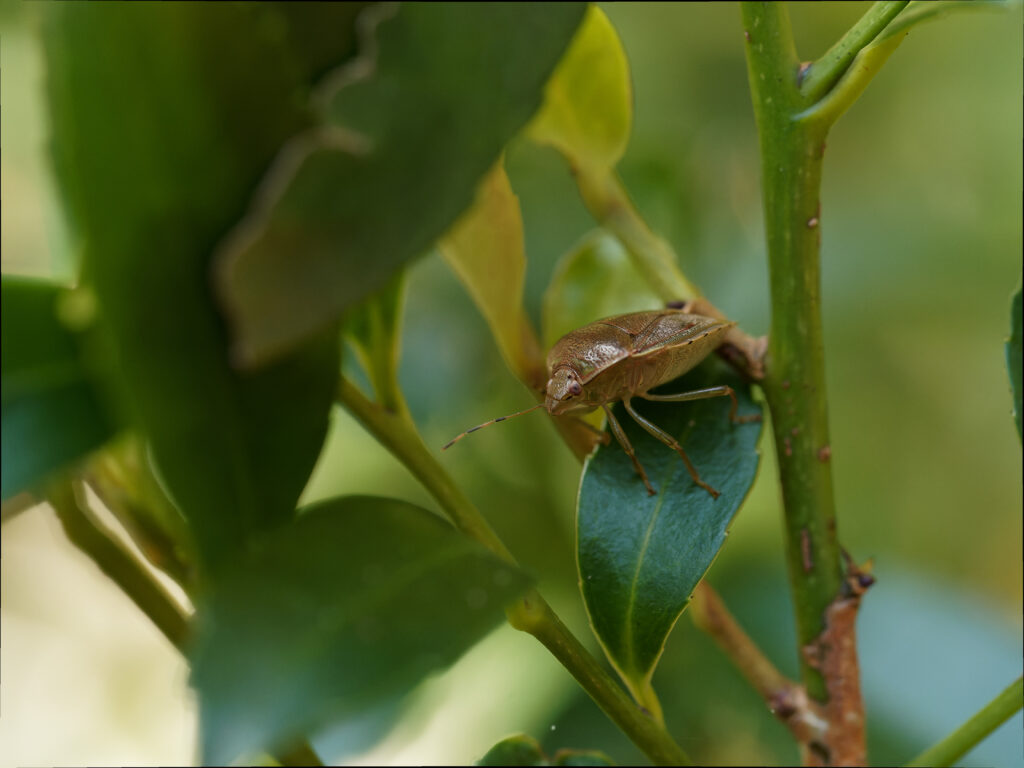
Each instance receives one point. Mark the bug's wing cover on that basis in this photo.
(591, 349)
(675, 343)
(677, 329)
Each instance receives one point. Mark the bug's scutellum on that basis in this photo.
(622, 357)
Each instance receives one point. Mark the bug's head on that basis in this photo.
(564, 392)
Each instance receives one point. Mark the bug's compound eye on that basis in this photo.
(574, 388)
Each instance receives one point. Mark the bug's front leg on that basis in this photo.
(620, 435)
(703, 394)
(672, 443)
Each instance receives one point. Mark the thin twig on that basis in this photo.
(786, 699)
(970, 734)
(823, 73)
(118, 563)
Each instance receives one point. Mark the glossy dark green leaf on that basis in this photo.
(164, 117)
(354, 602)
(405, 147)
(1013, 356)
(51, 413)
(523, 750)
(641, 556)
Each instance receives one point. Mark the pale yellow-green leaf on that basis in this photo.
(485, 250)
(588, 102)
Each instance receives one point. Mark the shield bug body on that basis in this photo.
(625, 356)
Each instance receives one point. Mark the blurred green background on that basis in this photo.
(921, 228)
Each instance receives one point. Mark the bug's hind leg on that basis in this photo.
(628, 448)
(672, 443)
(703, 394)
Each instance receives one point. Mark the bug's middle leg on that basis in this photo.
(703, 394)
(620, 435)
(672, 443)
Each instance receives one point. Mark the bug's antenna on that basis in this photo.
(456, 439)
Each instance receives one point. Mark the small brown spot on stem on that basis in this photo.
(812, 222)
(805, 550)
(785, 384)
(746, 35)
(795, 431)
(804, 66)
(824, 453)
(787, 446)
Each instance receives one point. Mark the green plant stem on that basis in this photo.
(533, 615)
(794, 383)
(970, 734)
(119, 564)
(396, 432)
(826, 71)
(122, 567)
(530, 614)
(609, 204)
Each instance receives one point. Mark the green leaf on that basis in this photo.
(485, 250)
(399, 160)
(50, 411)
(373, 328)
(319, 35)
(641, 556)
(352, 604)
(159, 138)
(521, 750)
(596, 279)
(1013, 356)
(588, 103)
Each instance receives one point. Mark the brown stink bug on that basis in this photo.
(622, 357)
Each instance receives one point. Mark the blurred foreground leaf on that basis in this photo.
(400, 158)
(342, 610)
(641, 556)
(159, 139)
(523, 750)
(51, 413)
(1013, 356)
(485, 249)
